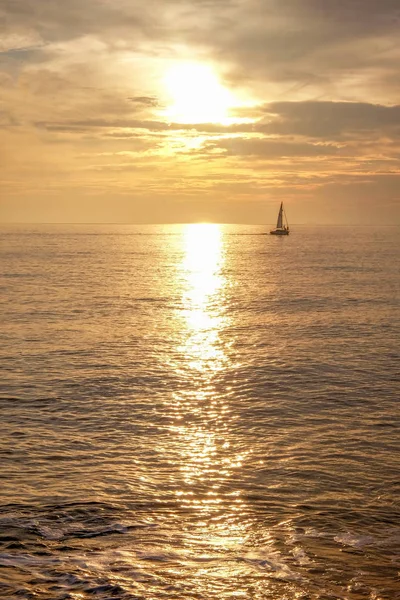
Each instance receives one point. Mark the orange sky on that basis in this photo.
(178, 111)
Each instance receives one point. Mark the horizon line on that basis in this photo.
(205, 222)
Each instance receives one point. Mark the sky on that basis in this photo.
(168, 111)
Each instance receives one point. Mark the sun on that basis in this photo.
(196, 95)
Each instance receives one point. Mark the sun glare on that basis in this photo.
(196, 95)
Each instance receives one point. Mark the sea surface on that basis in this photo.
(199, 412)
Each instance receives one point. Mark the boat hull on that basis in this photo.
(279, 232)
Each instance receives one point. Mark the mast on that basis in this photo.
(284, 212)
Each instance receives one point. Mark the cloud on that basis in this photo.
(148, 101)
(270, 148)
(299, 47)
(12, 41)
(82, 100)
(57, 20)
(149, 125)
(322, 121)
(332, 120)
(332, 48)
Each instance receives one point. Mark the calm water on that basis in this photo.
(199, 412)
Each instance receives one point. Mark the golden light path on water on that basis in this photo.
(227, 553)
(207, 454)
(203, 297)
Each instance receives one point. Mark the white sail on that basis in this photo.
(280, 217)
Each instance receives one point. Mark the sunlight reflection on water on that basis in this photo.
(203, 296)
(202, 412)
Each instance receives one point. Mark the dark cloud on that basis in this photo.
(332, 120)
(149, 125)
(357, 15)
(7, 120)
(270, 148)
(148, 101)
(322, 121)
(307, 42)
(89, 124)
(57, 20)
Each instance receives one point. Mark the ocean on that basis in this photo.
(199, 412)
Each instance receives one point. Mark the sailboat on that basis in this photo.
(282, 225)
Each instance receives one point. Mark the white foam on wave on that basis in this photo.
(294, 537)
(273, 563)
(72, 529)
(49, 533)
(313, 533)
(86, 568)
(301, 556)
(354, 540)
